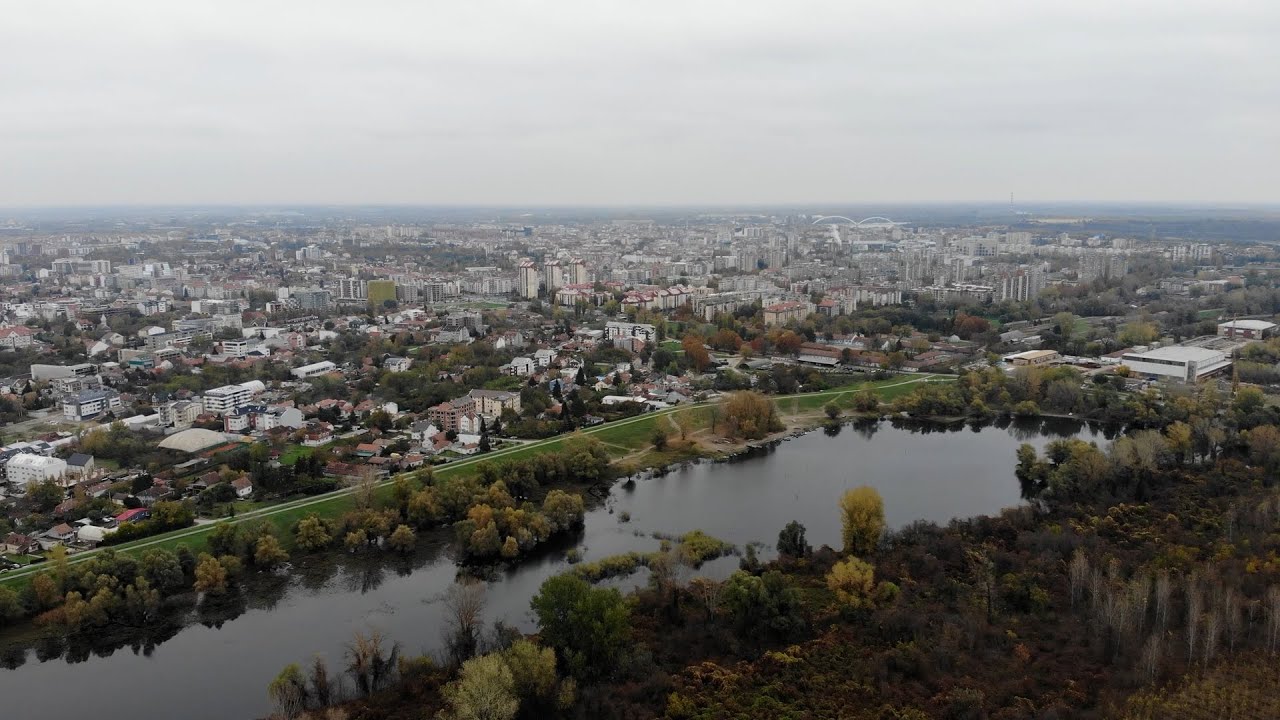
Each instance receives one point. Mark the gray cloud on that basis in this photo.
(582, 102)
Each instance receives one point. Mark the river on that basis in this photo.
(217, 663)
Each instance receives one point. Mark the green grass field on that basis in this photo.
(294, 453)
(620, 438)
(22, 559)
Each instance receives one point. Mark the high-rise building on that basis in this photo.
(311, 298)
(552, 277)
(528, 280)
(578, 274)
(1094, 266)
(1021, 286)
(380, 291)
(352, 289)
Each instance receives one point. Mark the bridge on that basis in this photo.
(875, 221)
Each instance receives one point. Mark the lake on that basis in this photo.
(218, 665)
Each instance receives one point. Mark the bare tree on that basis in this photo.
(1152, 652)
(1232, 618)
(1096, 586)
(1195, 609)
(464, 602)
(368, 664)
(1273, 619)
(1212, 633)
(1163, 590)
(321, 685)
(708, 591)
(1139, 591)
(365, 487)
(1078, 571)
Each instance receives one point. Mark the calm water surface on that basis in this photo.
(218, 667)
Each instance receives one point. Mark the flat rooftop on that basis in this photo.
(1179, 353)
(1248, 324)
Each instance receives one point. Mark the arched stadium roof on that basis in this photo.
(193, 440)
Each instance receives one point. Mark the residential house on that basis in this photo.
(422, 431)
(16, 337)
(396, 364)
(317, 434)
(521, 367)
(153, 494)
(61, 533)
(79, 466)
(133, 515)
(243, 486)
(19, 544)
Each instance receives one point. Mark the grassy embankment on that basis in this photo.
(629, 441)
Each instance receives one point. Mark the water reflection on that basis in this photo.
(924, 471)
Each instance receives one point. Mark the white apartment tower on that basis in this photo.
(353, 289)
(1022, 286)
(528, 280)
(552, 276)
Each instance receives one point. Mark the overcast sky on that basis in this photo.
(638, 102)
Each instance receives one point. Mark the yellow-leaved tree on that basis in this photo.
(862, 516)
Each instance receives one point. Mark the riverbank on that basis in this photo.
(326, 597)
(629, 443)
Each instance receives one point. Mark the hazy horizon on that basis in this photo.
(605, 105)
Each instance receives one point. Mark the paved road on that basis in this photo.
(495, 455)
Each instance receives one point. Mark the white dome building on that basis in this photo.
(193, 440)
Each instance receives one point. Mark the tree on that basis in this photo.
(1179, 436)
(563, 510)
(853, 582)
(369, 664)
(45, 495)
(267, 553)
(1249, 400)
(485, 690)
(659, 439)
(762, 605)
(47, 591)
(862, 519)
(211, 575)
(587, 626)
(464, 602)
(791, 541)
(225, 539)
(750, 415)
(533, 669)
(1264, 445)
(1065, 323)
(321, 687)
(163, 570)
(1137, 333)
(10, 606)
(311, 534)
(696, 352)
(866, 401)
(289, 691)
(356, 540)
(831, 410)
(402, 540)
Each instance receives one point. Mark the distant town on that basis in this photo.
(239, 362)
